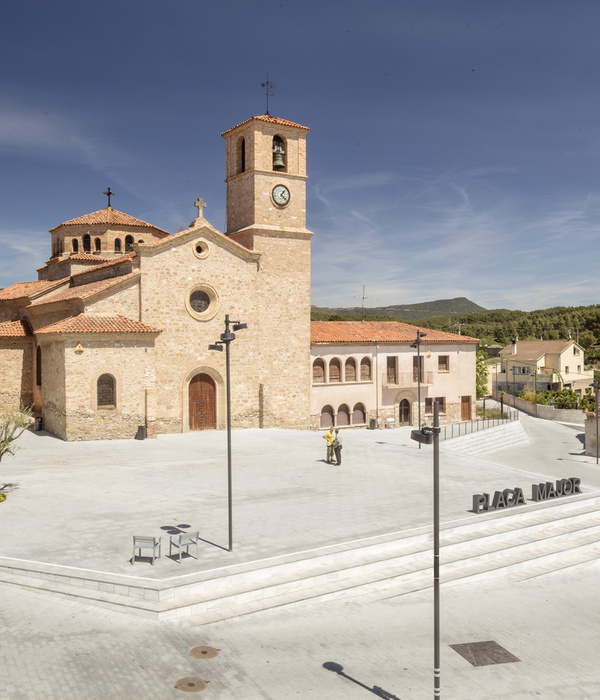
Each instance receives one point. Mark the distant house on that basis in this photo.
(551, 364)
(369, 371)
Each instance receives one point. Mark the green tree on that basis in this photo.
(481, 370)
(12, 424)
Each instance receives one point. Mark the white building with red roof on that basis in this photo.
(372, 373)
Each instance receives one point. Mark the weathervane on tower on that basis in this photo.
(269, 91)
(109, 194)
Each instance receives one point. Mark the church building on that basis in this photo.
(115, 332)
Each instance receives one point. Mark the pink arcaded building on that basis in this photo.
(369, 370)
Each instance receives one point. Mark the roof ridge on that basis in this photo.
(108, 215)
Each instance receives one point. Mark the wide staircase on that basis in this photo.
(521, 542)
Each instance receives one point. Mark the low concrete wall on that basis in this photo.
(565, 415)
(590, 435)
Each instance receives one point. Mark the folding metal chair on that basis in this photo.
(185, 540)
(141, 543)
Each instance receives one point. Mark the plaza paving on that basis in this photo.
(78, 504)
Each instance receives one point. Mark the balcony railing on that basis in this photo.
(398, 380)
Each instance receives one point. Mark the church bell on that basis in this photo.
(278, 153)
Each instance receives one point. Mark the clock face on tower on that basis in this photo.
(281, 195)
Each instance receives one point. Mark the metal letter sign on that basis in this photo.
(514, 497)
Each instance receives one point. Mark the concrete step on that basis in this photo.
(496, 543)
(487, 440)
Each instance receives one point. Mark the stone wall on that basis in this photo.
(16, 367)
(565, 415)
(130, 360)
(591, 427)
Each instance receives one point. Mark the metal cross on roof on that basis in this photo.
(109, 194)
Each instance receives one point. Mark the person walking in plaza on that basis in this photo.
(329, 436)
(337, 446)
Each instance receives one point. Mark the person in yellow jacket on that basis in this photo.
(330, 437)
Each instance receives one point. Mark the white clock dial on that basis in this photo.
(281, 195)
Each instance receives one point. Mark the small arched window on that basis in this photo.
(358, 414)
(326, 420)
(128, 243)
(75, 245)
(38, 366)
(87, 243)
(117, 245)
(242, 155)
(365, 369)
(106, 391)
(343, 415)
(350, 370)
(334, 371)
(318, 371)
(279, 154)
(97, 245)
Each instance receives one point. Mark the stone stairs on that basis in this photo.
(519, 543)
(484, 441)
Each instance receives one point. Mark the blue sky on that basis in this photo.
(454, 146)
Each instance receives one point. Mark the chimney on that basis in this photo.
(514, 345)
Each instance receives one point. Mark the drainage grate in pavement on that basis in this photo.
(484, 653)
(204, 652)
(191, 685)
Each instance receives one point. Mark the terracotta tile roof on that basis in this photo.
(26, 289)
(109, 216)
(14, 329)
(271, 120)
(98, 324)
(535, 349)
(83, 291)
(84, 257)
(378, 332)
(106, 263)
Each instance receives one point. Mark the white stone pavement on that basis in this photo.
(79, 503)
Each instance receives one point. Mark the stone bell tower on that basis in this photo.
(266, 212)
(266, 175)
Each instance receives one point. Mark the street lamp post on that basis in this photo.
(428, 436)
(226, 339)
(417, 344)
(595, 385)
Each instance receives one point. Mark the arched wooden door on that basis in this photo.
(203, 405)
(404, 412)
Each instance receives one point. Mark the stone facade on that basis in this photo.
(136, 326)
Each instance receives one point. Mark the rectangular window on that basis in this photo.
(443, 363)
(442, 402)
(578, 369)
(566, 370)
(417, 375)
(391, 370)
(575, 351)
(428, 407)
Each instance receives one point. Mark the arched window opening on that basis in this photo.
(117, 245)
(343, 415)
(75, 245)
(365, 369)
(326, 417)
(279, 155)
(318, 371)
(87, 243)
(242, 155)
(128, 243)
(97, 245)
(335, 370)
(358, 414)
(350, 370)
(106, 391)
(38, 366)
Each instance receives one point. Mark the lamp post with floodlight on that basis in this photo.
(226, 339)
(417, 344)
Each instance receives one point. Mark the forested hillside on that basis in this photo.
(499, 326)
